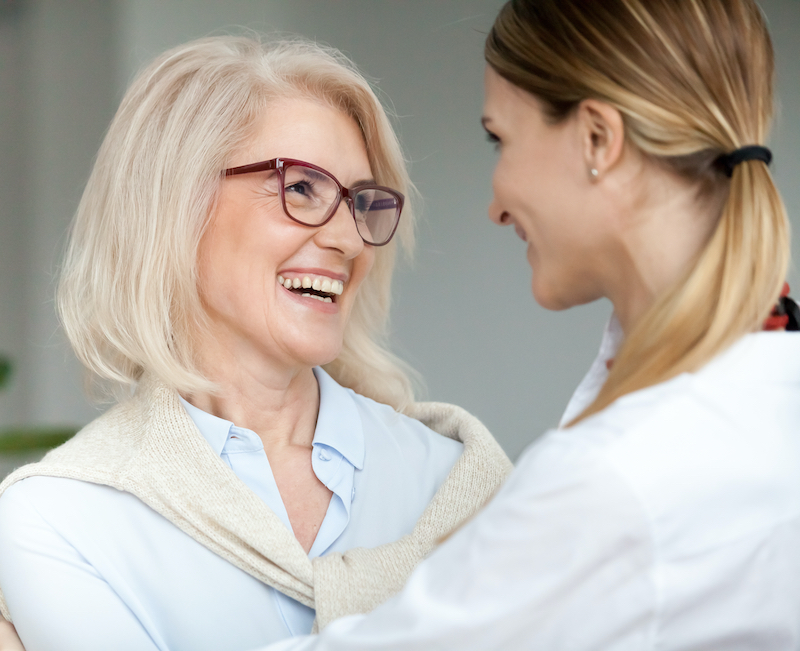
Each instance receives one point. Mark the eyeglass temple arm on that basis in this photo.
(252, 167)
(383, 204)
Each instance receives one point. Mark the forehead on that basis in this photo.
(506, 103)
(311, 131)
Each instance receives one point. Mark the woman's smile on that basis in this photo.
(314, 287)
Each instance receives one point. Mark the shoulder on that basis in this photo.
(57, 499)
(750, 386)
(386, 428)
(66, 513)
(376, 433)
(50, 515)
(106, 443)
(712, 455)
(123, 438)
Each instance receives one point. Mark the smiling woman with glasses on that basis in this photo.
(266, 466)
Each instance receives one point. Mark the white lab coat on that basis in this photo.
(671, 520)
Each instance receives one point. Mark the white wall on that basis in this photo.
(784, 23)
(463, 314)
(61, 76)
(70, 75)
(12, 217)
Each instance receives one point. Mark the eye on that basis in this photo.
(492, 138)
(363, 201)
(303, 188)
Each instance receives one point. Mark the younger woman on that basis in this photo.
(665, 513)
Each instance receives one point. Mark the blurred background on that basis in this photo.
(463, 313)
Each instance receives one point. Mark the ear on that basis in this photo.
(602, 134)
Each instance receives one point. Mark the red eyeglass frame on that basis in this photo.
(348, 194)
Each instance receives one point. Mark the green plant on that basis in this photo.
(31, 439)
(5, 370)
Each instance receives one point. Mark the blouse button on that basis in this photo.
(323, 456)
(353, 494)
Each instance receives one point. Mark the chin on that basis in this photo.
(544, 295)
(552, 305)
(305, 347)
(550, 298)
(320, 355)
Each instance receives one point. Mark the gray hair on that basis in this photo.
(128, 293)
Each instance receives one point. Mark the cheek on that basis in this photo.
(233, 263)
(516, 184)
(362, 267)
(216, 284)
(207, 261)
(217, 255)
(363, 264)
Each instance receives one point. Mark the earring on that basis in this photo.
(595, 174)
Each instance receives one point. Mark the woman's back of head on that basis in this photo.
(128, 294)
(693, 81)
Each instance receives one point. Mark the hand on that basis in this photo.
(9, 640)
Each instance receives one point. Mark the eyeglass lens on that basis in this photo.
(310, 196)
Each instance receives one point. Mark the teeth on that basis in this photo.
(320, 284)
(327, 299)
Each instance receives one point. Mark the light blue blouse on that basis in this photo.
(88, 567)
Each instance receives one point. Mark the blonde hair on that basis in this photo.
(128, 293)
(693, 80)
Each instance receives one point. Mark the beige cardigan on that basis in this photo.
(150, 447)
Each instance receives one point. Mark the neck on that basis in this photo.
(665, 228)
(278, 403)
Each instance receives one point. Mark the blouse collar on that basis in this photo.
(338, 422)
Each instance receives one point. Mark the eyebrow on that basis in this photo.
(314, 174)
(318, 175)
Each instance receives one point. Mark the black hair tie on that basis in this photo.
(752, 152)
(785, 315)
(791, 310)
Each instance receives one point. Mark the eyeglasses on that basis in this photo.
(310, 196)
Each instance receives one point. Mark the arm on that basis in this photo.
(57, 599)
(560, 559)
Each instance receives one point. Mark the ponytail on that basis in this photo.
(729, 292)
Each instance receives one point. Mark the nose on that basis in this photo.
(497, 214)
(340, 232)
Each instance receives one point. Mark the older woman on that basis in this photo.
(236, 236)
(665, 513)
